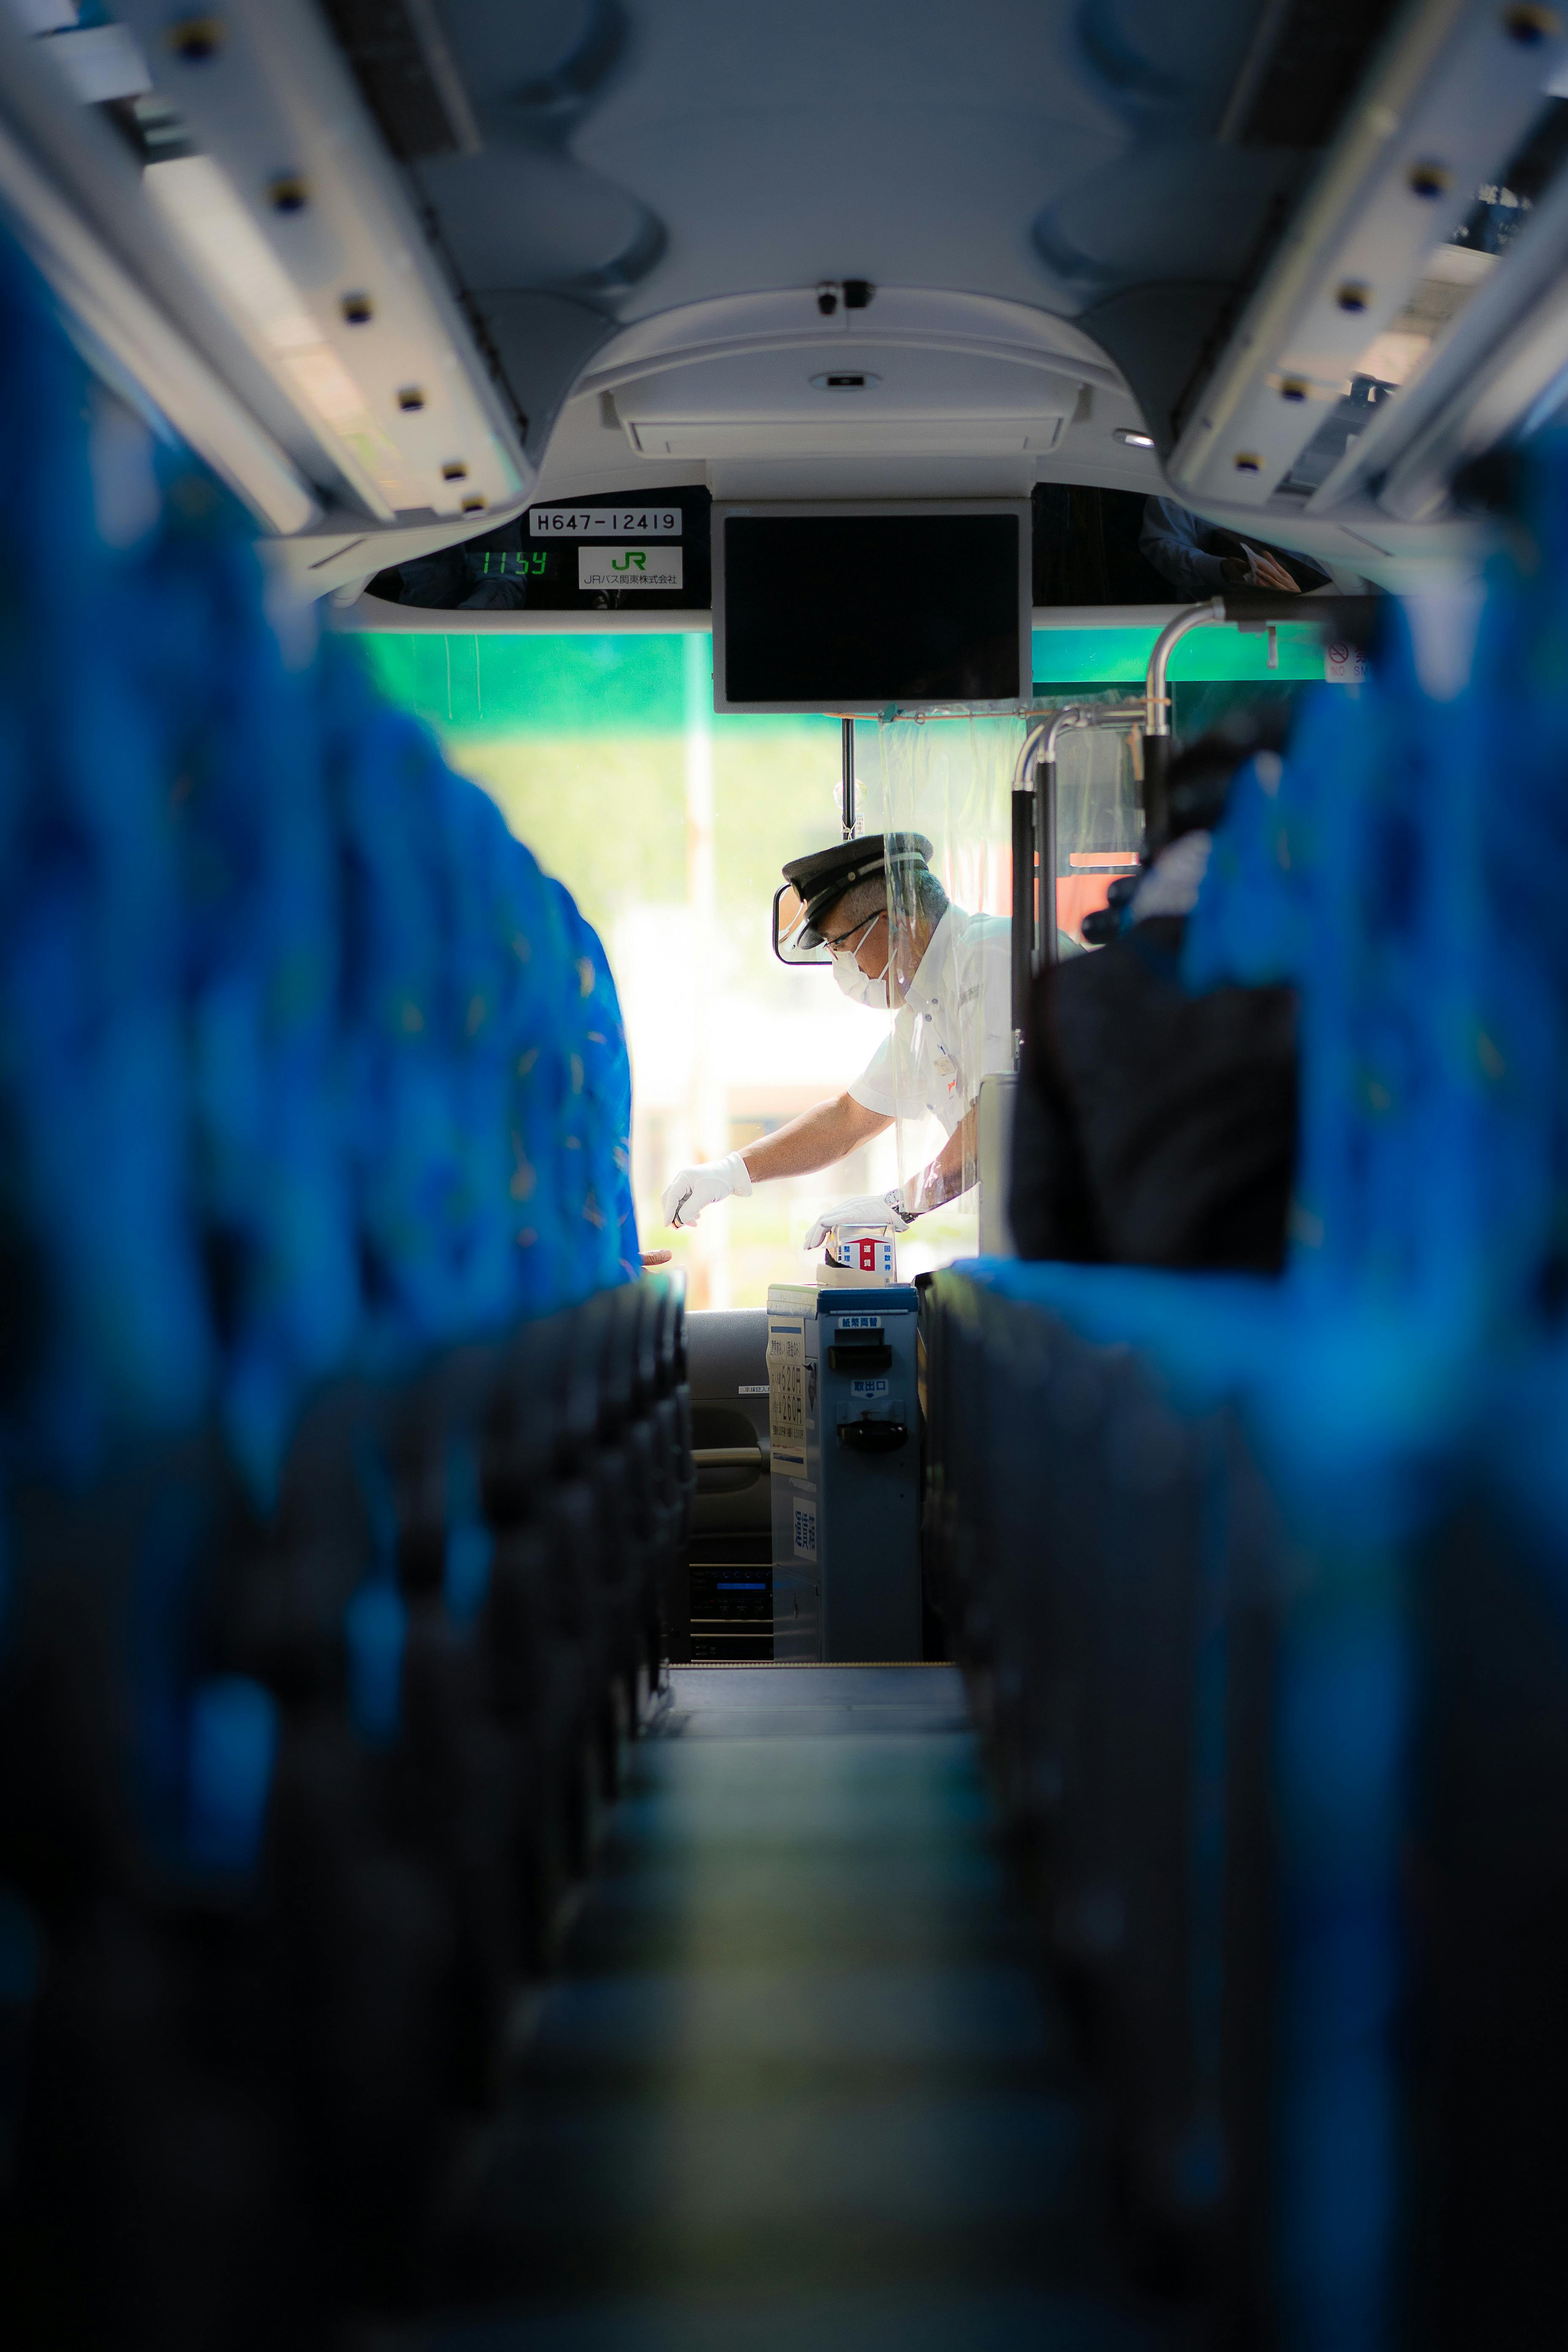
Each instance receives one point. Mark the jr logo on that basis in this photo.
(623, 562)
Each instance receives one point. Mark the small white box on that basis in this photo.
(858, 1256)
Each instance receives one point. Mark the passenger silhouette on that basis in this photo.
(1154, 1127)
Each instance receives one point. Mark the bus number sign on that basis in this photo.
(604, 523)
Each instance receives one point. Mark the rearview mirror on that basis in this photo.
(789, 922)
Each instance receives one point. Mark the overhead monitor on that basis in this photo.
(845, 608)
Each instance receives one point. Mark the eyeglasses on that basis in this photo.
(789, 922)
(856, 932)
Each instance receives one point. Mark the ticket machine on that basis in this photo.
(845, 1469)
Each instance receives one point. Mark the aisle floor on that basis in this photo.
(798, 2087)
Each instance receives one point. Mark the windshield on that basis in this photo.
(669, 826)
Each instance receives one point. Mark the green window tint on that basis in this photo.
(535, 685)
(587, 685)
(1119, 656)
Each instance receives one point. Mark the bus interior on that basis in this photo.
(622, 1729)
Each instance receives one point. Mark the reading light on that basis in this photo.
(1132, 440)
(1531, 27)
(195, 39)
(1430, 181)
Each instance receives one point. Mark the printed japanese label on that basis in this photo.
(867, 1388)
(629, 567)
(604, 523)
(859, 1323)
(1344, 664)
(803, 1512)
(786, 1390)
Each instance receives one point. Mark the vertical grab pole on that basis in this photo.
(1023, 906)
(1024, 895)
(1046, 824)
(1045, 844)
(847, 758)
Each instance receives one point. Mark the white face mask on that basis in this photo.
(860, 987)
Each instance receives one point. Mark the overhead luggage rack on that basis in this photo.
(1426, 248)
(223, 202)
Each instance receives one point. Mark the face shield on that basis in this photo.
(944, 779)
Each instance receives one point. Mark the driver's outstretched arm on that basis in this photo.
(825, 1133)
(815, 1139)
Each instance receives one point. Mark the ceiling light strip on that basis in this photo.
(196, 401)
(367, 341)
(194, 198)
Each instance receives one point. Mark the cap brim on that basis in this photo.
(917, 853)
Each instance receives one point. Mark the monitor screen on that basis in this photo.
(855, 608)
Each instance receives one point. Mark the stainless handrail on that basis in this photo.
(1249, 608)
(729, 1457)
(1244, 609)
(1156, 701)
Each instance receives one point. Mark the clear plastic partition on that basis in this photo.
(948, 776)
(1099, 817)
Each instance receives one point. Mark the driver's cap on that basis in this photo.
(821, 879)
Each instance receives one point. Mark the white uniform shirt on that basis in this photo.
(955, 1027)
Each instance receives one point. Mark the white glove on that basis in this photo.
(692, 1189)
(866, 1209)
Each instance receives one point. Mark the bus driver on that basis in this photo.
(947, 976)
